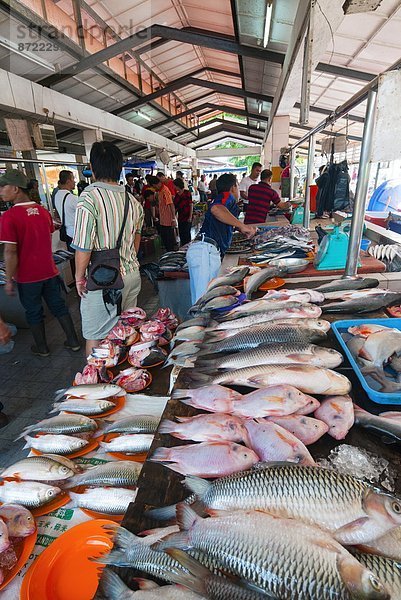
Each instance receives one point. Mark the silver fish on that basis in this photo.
(347, 284)
(30, 494)
(263, 335)
(93, 391)
(122, 473)
(56, 444)
(254, 282)
(232, 278)
(219, 302)
(134, 424)
(261, 306)
(38, 468)
(386, 570)
(388, 545)
(189, 334)
(305, 311)
(306, 378)
(284, 353)
(282, 557)
(315, 326)
(131, 443)
(363, 305)
(389, 428)
(84, 407)
(110, 500)
(115, 589)
(63, 423)
(222, 290)
(200, 321)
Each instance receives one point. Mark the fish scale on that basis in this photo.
(387, 570)
(134, 424)
(121, 474)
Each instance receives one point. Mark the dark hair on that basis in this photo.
(266, 174)
(255, 164)
(81, 186)
(31, 184)
(179, 174)
(148, 193)
(160, 174)
(179, 183)
(127, 175)
(106, 160)
(225, 182)
(152, 180)
(64, 176)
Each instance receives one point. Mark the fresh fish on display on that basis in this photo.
(123, 333)
(30, 494)
(282, 354)
(62, 423)
(378, 347)
(354, 294)
(338, 413)
(200, 321)
(284, 558)
(388, 545)
(315, 297)
(167, 317)
(233, 278)
(106, 355)
(222, 290)
(363, 305)
(115, 589)
(273, 400)
(97, 391)
(261, 335)
(83, 406)
(110, 500)
(312, 405)
(260, 306)
(385, 427)
(265, 257)
(306, 429)
(347, 284)
(306, 378)
(146, 354)
(386, 570)
(39, 468)
(134, 424)
(308, 327)
(254, 282)
(186, 348)
(20, 522)
(273, 443)
(132, 379)
(130, 443)
(122, 473)
(90, 374)
(366, 329)
(175, 371)
(219, 302)
(55, 444)
(309, 311)
(207, 459)
(214, 427)
(189, 334)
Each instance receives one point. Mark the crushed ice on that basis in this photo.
(362, 464)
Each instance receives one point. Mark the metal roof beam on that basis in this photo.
(217, 120)
(197, 38)
(353, 138)
(233, 129)
(327, 112)
(344, 72)
(184, 82)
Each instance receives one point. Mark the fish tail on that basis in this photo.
(56, 408)
(73, 481)
(205, 350)
(194, 580)
(186, 516)
(197, 485)
(167, 426)
(124, 540)
(25, 432)
(113, 587)
(193, 377)
(164, 513)
(161, 455)
(180, 394)
(174, 540)
(27, 439)
(59, 394)
(74, 498)
(145, 584)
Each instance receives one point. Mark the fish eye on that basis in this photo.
(375, 583)
(396, 506)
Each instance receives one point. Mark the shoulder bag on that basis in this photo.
(63, 229)
(104, 267)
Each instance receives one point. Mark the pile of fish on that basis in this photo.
(280, 531)
(130, 435)
(134, 338)
(16, 523)
(390, 254)
(173, 261)
(377, 348)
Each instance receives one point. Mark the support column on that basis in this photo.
(90, 137)
(280, 137)
(357, 222)
(36, 171)
(194, 168)
(309, 180)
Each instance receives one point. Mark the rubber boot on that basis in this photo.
(39, 335)
(71, 342)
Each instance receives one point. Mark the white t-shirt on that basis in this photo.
(245, 184)
(70, 208)
(201, 186)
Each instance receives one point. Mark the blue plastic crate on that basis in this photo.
(341, 327)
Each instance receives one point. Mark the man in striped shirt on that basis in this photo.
(167, 219)
(98, 222)
(261, 197)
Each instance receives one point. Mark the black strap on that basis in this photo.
(126, 208)
(63, 210)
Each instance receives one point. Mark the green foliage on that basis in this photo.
(240, 161)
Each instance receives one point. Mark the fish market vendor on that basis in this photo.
(206, 252)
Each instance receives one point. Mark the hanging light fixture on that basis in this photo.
(268, 18)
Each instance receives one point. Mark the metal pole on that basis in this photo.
(355, 237)
(48, 196)
(309, 178)
(292, 174)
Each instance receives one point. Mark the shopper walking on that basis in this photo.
(184, 207)
(167, 219)
(261, 198)
(65, 203)
(105, 211)
(26, 231)
(212, 186)
(246, 182)
(202, 189)
(167, 181)
(205, 254)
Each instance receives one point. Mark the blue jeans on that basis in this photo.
(204, 263)
(31, 294)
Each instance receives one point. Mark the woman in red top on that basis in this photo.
(184, 207)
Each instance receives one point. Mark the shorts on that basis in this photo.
(204, 263)
(97, 318)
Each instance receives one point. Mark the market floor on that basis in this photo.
(28, 383)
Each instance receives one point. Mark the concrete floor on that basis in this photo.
(28, 383)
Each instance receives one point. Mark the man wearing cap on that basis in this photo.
(26, 230)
